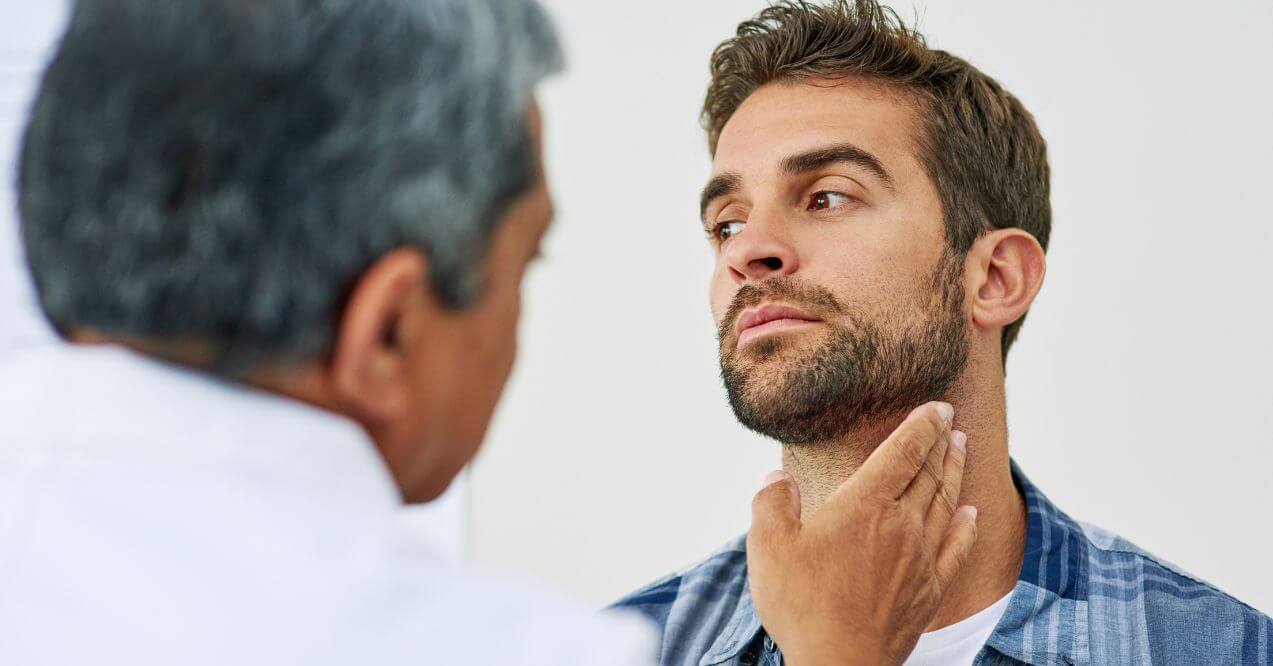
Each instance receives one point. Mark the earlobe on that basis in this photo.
(369, 369)
(1011, 266)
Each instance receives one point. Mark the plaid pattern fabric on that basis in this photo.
(1084, 596)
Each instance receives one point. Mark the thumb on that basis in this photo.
(775, 511)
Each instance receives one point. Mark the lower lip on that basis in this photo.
(775, 326)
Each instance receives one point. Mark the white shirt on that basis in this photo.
(152, 515)
(960, 642)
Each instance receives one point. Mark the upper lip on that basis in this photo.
(764, 314)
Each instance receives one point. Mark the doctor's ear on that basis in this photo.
(1006, 270)
(385, 314)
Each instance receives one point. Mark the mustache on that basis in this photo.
(816, 299)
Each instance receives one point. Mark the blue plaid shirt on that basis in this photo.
(1084, 596)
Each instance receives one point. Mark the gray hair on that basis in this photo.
(222, 171)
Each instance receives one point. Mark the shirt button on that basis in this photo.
(769, 643)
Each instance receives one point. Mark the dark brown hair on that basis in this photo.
(979, 145)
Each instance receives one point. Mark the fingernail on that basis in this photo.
(960, 440)
(774, 477)
(971, 511)
(946, 410)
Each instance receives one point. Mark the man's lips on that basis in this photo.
(755, 322)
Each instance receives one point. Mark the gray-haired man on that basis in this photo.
(278, 214)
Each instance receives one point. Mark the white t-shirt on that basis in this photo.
(960, 642)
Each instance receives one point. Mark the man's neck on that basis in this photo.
(992, 568)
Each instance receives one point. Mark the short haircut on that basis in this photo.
(978, 144)
(222, 171)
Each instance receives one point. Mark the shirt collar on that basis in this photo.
(108, 401)
(1046, 618)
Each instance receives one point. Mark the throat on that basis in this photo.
(819, 468)
(995, 562)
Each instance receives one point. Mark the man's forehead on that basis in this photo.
(781, 119)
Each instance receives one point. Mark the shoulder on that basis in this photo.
(1174, 615)
(717, 579)
(691, 608)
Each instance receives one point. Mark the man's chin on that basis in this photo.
(772, 417)
(775, 388)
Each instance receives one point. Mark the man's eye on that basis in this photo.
(826, 200)
(726, 230)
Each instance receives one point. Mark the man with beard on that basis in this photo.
(879, 213)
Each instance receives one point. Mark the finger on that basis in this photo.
(941, 507)
(928, 482)
(775, 511)
(895, 463)
(956, 546)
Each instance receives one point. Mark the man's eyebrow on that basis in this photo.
(718, 186)
(845, 152)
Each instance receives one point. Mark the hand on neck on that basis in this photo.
(993, 567)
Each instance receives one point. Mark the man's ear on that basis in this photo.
(370, 368)
(1008, 267)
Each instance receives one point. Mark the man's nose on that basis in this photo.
(759, 253)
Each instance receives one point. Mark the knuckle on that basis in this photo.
(932, 422)
(933, 472)
(912, 448)
(946, 496)
(935, 421)
(947, 506)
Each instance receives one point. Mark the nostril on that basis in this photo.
(772, 263)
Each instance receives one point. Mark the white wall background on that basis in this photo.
(27, 32)
(1141, 391)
